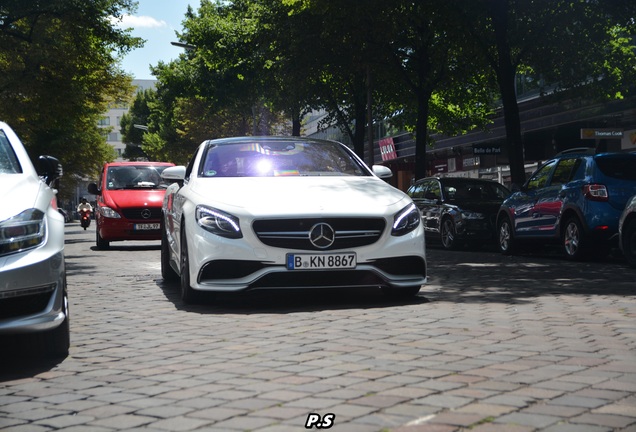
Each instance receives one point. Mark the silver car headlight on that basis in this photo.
(472, 215)
(24, 231)
(109, 212)
(218, 222)
(406, 220)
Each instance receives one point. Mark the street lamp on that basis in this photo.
(145, 129)
(183, 45)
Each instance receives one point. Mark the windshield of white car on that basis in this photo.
(9, 163)
(279, 159)
(135, 177)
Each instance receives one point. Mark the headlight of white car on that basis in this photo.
(109, 212)
(406, 220)
(218, 222)
(24, 231)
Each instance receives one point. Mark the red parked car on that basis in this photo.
(129, 199)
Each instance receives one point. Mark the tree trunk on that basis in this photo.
(506, 80)
(296, 123)
(421, 133)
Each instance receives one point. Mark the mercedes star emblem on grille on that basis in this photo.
(145, 213)
(322, 235)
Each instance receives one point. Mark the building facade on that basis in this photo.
(547, 128)
(110, 121)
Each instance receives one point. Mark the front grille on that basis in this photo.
(25, 302)
(294, 233)
(135, 213)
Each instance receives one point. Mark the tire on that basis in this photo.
(401, 293)
(573, 240)
(100, 242)
(167, 272)
(448, 234)
(629, 242)
(505, 236)
(55, 343)
(188, 295)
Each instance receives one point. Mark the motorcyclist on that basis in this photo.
(84, 206)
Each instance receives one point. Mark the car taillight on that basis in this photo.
(595, 192)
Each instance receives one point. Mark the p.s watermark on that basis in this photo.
(320, 422)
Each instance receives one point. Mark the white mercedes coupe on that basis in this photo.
(286, 212)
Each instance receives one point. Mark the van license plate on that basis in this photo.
(321, 261)
(146, 227)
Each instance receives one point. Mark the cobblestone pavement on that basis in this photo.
(492, 343)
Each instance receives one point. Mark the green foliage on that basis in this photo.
(431, 67)
(57, 78)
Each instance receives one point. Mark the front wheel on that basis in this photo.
(55, 343)
(448, 234)
(506, 236)
(167, 272)
(100, 242)
(629, 242)
(188, 295)
(573, 240)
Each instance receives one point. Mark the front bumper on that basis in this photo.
(124, 229)
(32, 290)
(218, 264)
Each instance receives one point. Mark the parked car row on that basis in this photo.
(575, 198)
(578, 199)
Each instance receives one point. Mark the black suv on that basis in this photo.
(575, 198)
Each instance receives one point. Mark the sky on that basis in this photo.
(156, 22)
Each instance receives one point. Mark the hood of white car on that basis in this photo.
(293, 195)
(18, 192)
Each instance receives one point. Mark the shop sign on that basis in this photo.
(387, 149)
(480, 149)
(471, 162)
(601, 133)
(440, 166)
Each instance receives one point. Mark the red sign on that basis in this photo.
(387, 149)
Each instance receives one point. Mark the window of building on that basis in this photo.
(104, 121)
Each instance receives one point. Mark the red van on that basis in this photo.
(129, 198)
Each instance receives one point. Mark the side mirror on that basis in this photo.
(50, 169)
(382, 171)
(93, 190)
(175, 174)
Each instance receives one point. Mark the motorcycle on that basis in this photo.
(85, 218)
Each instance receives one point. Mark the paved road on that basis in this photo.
(526, 343)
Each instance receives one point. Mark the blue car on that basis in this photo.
(575, 198)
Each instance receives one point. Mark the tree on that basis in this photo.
(582, 45)
(57, 78)
(134, 124)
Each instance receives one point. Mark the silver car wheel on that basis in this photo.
(448, 234)
(572, 240)
(505, 236)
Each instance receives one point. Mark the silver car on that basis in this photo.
(33, 297)
(627, 231)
